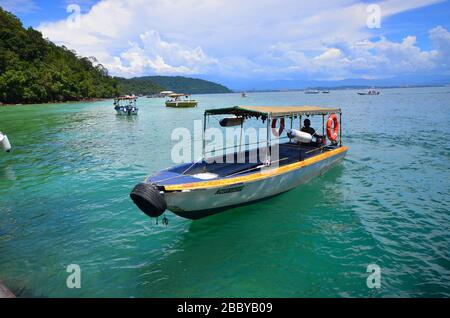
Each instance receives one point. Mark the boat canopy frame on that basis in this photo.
(273, 111)
(127, 100)
(268, 113)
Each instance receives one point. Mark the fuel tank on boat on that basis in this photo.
(299, 136)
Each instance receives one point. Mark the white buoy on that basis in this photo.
(299, 136)
(4, 143)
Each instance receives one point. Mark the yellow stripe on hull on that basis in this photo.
(256, 176)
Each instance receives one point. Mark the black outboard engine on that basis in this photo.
(147, 197)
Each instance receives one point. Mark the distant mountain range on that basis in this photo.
(154, 84)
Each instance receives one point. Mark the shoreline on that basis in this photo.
(90, 100)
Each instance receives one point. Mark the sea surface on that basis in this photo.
(64, 199)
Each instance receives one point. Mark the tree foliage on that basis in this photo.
(156, 84)
(34, 70)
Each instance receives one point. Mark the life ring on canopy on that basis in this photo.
(277, 133)
(332, 127)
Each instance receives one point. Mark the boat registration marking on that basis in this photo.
(230, 190)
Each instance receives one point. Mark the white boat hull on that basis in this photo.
(198, 203)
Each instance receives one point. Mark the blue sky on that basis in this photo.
(255, 43)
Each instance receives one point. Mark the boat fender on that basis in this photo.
(4, 143)
(147, 198)
(232, 121)
(332, 127)
(277, 133)
(299, 136)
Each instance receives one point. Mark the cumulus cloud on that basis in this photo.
(247, 39)
(156, 56)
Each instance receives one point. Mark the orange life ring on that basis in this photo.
(277, 133)
(332, 127)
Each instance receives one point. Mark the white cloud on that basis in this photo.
(329, 55)
(156, 56)
(247, 39)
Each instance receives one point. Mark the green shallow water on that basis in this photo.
(64, 199)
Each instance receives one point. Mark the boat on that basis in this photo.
(325, 92)
(180, 100)
(126, 105)
(370, 92)
(4, 142)
(211, 185)
(311, 91)
(243, 94)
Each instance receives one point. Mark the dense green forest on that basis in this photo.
(156, 84)
(138, 85)
(33, 69)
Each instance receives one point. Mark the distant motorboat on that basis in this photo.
(180, 100)
(126, 105)
(325, 92)
(244, 94)
(370, 92)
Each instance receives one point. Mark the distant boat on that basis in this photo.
(177, 100)
(311, 91)
(244, 94)
(370, 92)
(126, 105)
(325, 92)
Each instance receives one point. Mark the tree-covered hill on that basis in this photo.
(138, 85)
(155, 84)
(34, 70)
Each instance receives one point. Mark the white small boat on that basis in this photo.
(126, 105)
(198, 189)
(180, 101)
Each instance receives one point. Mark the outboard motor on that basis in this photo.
(4, 143)
(299, 136)
(147, 197)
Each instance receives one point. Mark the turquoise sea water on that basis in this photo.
(64, 199)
